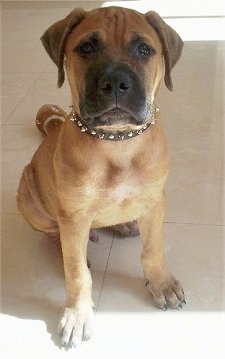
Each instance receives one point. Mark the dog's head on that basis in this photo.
(115, 59)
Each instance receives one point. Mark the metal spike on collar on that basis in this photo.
(121, 136)
(101, 135)
(139, 132)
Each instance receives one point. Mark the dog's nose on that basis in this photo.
(114, 83)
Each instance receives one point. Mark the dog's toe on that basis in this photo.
(129, 229)
(93, 236)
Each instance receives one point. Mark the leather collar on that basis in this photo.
(112, 135)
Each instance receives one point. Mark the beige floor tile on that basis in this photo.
(21, 62)
(194, 255)
(14, 88)
(194, 204)
(43, 91)
(22, 50)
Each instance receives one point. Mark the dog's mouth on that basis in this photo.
(114, 118)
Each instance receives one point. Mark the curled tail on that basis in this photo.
(49, 117)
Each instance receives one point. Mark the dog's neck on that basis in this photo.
(110, 134)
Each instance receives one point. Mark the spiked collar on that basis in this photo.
(104, 134)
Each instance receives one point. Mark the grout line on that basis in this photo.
(103, 280)
(197, 224)
(181, 17)
(180, 223)
(39, 74)
(15, 124)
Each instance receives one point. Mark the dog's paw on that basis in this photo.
(129, 229)
(75, 326)
(166, 292)
(93, 236)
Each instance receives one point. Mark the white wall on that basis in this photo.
(193, 19)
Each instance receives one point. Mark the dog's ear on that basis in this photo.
(54, 39)
(171, 41)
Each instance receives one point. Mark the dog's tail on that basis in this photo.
(49, 117)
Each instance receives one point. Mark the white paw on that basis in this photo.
(75, 326)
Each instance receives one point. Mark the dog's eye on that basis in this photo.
(86, 48)
(143, 50)
(89, 46)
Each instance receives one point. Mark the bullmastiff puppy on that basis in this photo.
(107, 163)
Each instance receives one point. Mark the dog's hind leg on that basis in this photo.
(31, 206)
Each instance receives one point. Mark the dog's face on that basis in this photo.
(115, 64)
(115, 59)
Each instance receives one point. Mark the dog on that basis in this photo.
(106, 162)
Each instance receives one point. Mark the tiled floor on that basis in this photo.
(127, 323)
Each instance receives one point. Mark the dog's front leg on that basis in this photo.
(76, 323)
(165, 289)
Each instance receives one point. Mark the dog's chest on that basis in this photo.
(121, 201)
(119, 204)
(124, 192)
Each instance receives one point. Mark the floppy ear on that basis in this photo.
(171, 41)
(54, 39)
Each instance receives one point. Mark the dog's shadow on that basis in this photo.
(34, 287)
(37, 308)
(32, 277)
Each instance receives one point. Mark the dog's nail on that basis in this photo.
(86, 337)
(164, 308)
(179, 306)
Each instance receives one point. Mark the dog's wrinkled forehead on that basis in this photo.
(115, 23)
(105, 42)
(115, 28)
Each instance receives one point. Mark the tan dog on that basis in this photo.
(107, 163)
